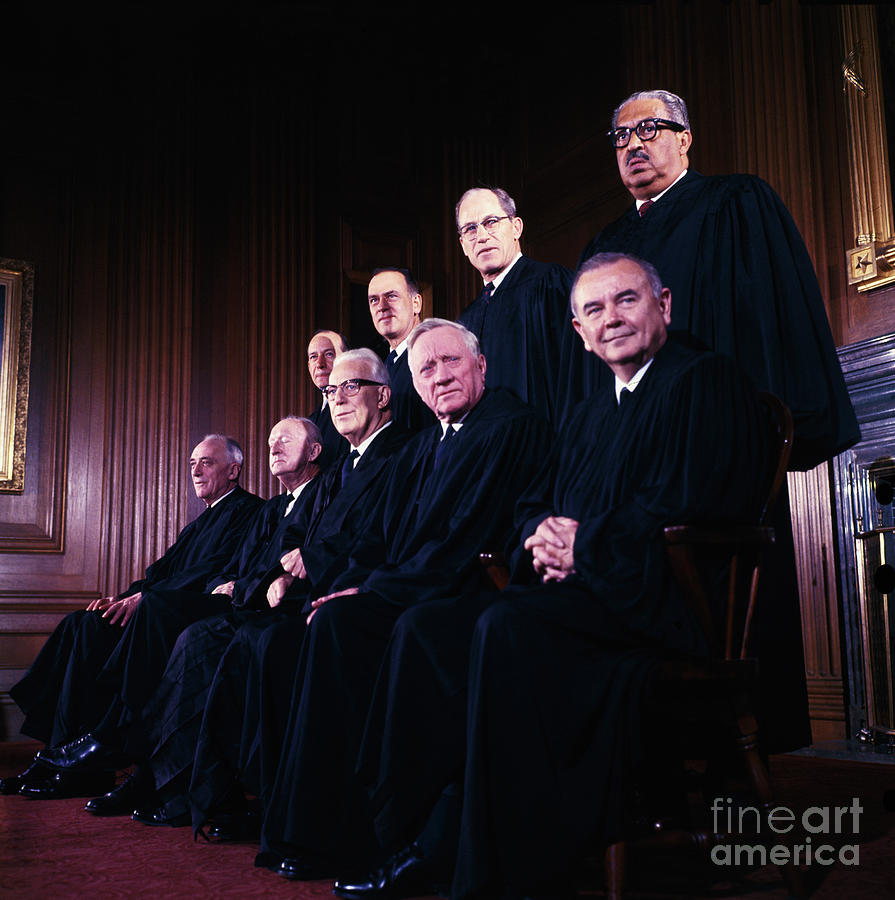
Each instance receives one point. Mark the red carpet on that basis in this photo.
(55, 849)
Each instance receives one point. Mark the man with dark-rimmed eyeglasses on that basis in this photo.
(745, 286)
(521, 317)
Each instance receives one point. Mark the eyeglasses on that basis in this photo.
(350, 387)
(645, 130)
(489, 223)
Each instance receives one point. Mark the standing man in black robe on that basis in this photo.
(395, 304)
(126, 683)
(744, 286)
(450, 495)
(58, 693)
(521, 317)
(556, 669)
(323, 350)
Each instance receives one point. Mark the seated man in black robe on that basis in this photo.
(549, 726)
(395, 304)
(209, 700)
(323, 350)
(450, 494)
(132, 671)
(58, 693)
(744, 285)
(521, 317)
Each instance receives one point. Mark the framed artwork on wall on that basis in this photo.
(16, 299)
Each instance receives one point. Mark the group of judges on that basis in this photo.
(331, 674)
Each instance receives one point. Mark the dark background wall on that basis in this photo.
(199, 187)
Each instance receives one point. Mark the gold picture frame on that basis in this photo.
(16, 305)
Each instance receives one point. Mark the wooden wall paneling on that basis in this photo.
(277, 302)
(145, 497)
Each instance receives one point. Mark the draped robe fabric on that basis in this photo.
(431, 526)
(525, 332)
(557, 671)
(742, 283)
(214, 693)
(59, 694)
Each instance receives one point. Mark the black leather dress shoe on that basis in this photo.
(306, 868)
(56, 785)
(160, 816)
(14, 783)
(406, 874)
(136, 790)
(244, 826)
(86, 754)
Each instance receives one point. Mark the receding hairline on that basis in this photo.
(607, 259)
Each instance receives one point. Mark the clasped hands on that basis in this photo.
(553, 548)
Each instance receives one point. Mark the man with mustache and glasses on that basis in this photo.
(744, 286)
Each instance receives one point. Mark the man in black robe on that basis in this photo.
(450, 495)
(395, 304)
(58, 693)
(556, 670)
(323, 350)
(743, 285)
(210, 702)
(110, 740)
(736, 264)
(521, 317)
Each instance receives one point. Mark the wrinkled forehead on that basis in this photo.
(443, 341)
(208, 449)
(637, 110)
(287, 428)
(388, 282)
(348, 369)
(320, 344)
(478, 205)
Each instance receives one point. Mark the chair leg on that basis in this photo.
(614, 863)
(761, 784)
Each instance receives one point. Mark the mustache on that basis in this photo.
(637, 153)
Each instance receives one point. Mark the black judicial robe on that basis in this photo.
(431, 526)
(525, 331)
(135, 668)
(742, 282)
(58, 693)
(144, 665)
(409, 412)
(333, 442)
(247, 704)
(557, 670)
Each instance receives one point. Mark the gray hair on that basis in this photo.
(311, 429)
(601, 260)
(375, 366)
(469, 339)
(507, 203)
(233, 450)
(677, 109)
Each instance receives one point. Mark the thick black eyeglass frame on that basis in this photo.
(621, 137)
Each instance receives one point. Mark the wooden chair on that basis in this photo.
(715, 692)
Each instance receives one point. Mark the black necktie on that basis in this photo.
(348, 465)
(391, 360)
(487, 291)
(623, 397)
(444, 445)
